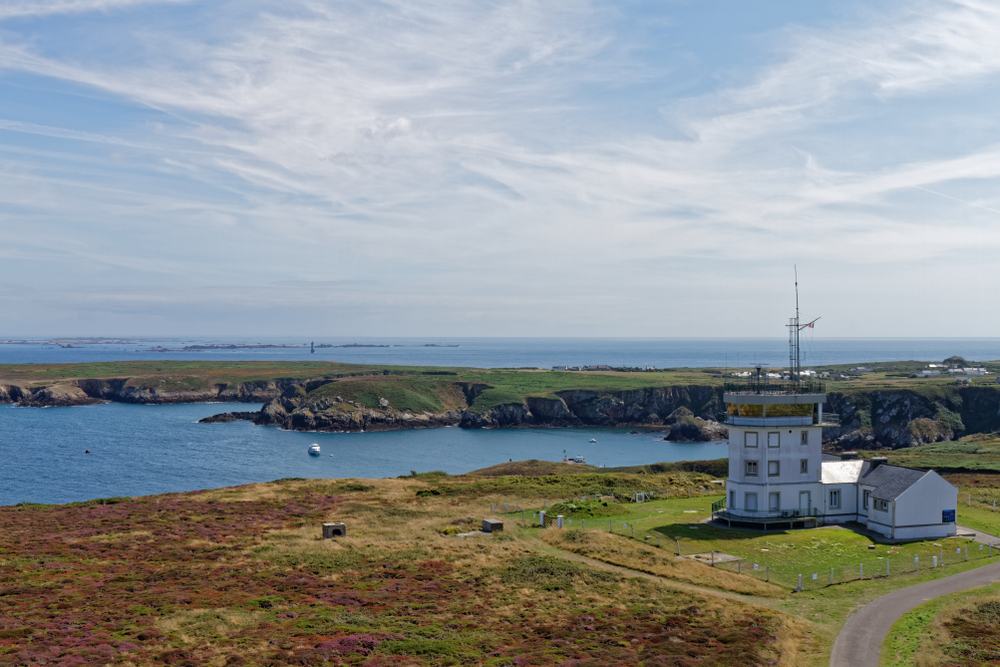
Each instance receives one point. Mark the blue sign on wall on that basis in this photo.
(948, 516)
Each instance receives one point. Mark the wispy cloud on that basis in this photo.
(27, 8)
(479, 147)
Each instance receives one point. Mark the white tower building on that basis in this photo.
(775, 451)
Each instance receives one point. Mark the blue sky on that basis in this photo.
(498, 168)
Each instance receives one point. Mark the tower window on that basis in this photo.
(751, 468)
(835, 499)
(804, 466)
(773, 469)
(750, 439)
(773, 439)
(805, 437)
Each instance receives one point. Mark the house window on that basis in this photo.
(732, 499)
(804, 466)
(773, 439)
(773, 468)
(774, 501)
(805, 437)
(882, 505)
(750, 500)
(867, 496)
(835, 499)
(750, 439)
(751, 468)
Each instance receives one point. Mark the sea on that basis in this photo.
(141, 450)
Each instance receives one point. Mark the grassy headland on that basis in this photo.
(239, 576)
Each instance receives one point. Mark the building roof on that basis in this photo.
(890, 481)
(841, 472)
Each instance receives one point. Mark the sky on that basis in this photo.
(494, 168)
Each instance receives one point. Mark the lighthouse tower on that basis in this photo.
(775, 446)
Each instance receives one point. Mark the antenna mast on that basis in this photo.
(794, 357)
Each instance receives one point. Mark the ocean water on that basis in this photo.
(143, 450)
(532, 352)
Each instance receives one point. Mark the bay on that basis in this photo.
(142, 450)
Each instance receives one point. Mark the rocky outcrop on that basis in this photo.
(905, 418)
(693, 429)
(124, 390)
(227, 417)
(57, 395)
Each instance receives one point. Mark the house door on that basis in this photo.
(805, 502)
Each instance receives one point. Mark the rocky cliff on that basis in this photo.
(127, 390)
(297, 410)
(894, 418)
(884, 418)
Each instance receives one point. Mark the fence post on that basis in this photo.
(991, 551)
(583, 524)
(679, 548)
(611, 525)
(713, 558)
(887, 567)
(658, 541)
(941, 559)
(966, 553)
(739, 566)
(831, 576)
(689, 492)
(970, 500)
(505, 509)
(492, 508)
(861, 570)
(633, 531)
(799, 589)
(916, 559)
(768, 573)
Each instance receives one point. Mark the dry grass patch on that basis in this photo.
(196, 625)
(635, 555)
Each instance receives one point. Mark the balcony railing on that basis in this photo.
(775, 387)
(725, 418)
(764, 516)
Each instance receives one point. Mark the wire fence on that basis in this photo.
(876, 567)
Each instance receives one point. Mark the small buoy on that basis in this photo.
(87, 452)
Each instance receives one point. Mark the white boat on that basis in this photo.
(593, 440)
(314, 449)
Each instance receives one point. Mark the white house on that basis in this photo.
(778, 477)
(893, 501)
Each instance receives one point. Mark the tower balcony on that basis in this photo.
(763, 422)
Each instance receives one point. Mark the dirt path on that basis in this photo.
(860, 641)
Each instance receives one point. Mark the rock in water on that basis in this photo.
(229, 417)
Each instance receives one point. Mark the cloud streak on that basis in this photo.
(480, 147)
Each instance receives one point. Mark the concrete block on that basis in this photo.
(334, 530)
(492, 526)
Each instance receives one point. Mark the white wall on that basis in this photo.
(848, 510)
(926, 532)
(923, 502)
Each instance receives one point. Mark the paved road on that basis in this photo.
(860, 641)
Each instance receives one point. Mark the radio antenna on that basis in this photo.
(794, 356)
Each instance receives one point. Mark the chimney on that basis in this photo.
(876, 461)
(849, 456)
